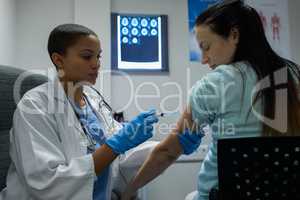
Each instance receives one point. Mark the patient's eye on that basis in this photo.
(204, 46)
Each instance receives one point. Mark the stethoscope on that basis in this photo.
(103, 105)
(92, 143)
(91, 146)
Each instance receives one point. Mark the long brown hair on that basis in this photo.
(254, 48)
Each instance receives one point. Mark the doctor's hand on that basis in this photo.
(133, 133)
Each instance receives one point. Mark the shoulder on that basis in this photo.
(224, 76)
(39, 96)
(38, 92)
(231, 71)
(234, 72)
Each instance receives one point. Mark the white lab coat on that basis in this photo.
(48, 148)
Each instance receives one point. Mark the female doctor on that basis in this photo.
(64, 138)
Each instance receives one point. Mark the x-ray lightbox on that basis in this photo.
(139, 43)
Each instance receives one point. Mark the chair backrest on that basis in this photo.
(8, 77)
(259, 168)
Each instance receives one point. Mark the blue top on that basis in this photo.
(222, 100)
(93, 127)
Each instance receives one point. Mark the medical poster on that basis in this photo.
(274, 15)
(195, 7)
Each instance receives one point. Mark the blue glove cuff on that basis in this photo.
(189, 141)
(114, 144)
(133, 133)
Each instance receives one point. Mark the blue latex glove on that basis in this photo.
(133, 133)
(189, 141)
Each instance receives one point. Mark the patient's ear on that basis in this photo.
(234, 35)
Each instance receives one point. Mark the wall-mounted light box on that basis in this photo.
(139, 43)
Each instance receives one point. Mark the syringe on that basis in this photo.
(163, 114)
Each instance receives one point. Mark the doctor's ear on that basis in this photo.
(57, 59)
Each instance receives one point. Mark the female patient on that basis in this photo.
(234, 45)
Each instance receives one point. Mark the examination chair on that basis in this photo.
(259, 168)
(8, 77)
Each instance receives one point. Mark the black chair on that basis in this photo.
(259, 168)
(8, 78)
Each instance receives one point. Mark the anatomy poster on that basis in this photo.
(195, 7)
(274, 15)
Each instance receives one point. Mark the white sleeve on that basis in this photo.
(40, 160)
(128, 164)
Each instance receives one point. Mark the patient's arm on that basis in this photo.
(163, 155)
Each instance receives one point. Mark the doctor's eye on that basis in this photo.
(86, 57)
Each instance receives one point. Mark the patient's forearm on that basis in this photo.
(164, 154)
(160, 159)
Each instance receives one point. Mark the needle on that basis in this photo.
(162, 114)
